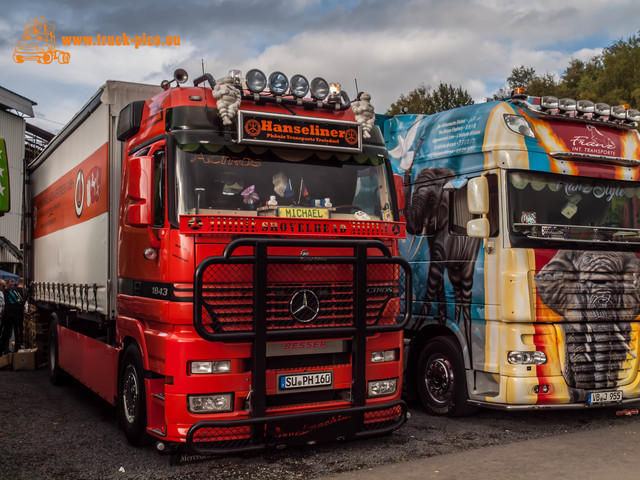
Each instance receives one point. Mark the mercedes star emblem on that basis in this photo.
(304, 306)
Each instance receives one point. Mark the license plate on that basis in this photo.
(305, 380)
(611, 396)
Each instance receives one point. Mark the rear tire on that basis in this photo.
(57, 376)
(132, 399)
(441, 380)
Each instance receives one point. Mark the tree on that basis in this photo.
(424, 99)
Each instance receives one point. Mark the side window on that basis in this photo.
(460, 215)
(494, 206)
(158, 201)
(459, 211)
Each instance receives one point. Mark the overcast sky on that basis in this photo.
(389, 46)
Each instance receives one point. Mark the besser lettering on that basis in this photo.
(305, 345)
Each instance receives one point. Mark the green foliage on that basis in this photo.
(612, 77)
(426, 100)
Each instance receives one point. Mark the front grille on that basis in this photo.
(297, 296)
(599, 355)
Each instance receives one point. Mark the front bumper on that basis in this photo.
(230, 437)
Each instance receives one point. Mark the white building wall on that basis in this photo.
(12, 130)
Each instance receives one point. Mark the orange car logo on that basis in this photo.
(38, 43)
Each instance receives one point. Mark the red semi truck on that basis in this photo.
(220, 262)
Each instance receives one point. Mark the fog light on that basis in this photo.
(585, 106)
(633, 115)
(383, 356)
(198, 368)
(379, 388)
(299, 86)
(209, 403)
(527, 358)
(278, 83)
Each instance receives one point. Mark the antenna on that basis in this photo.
(204, 90)
(357, 91)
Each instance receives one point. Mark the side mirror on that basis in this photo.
(478, 228)
(140, 191)
(478, 196)
(398, 181)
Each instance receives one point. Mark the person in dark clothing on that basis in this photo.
(12, 317)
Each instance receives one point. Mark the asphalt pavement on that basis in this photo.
(605, 453)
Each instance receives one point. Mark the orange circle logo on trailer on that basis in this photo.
(79, 195)
(351, 136)
(252, 127)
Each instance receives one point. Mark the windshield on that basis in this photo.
(563, 207)
(302, 185)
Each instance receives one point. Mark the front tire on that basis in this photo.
(441, 380)
(132, 399)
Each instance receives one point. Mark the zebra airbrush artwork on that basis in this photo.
(523, 232)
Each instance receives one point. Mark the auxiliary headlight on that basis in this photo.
(199, 368)
(380, 388)
(212, 403)
(567, 105)
(585, 106)
(278, 83)
(519, 125)
(602, 109)
(619, 112)
(527, 358)
(633, 115)
(299, 86)
(319, 88)
(549, 102)
(256, 80)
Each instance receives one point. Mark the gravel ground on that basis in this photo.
(68, 432)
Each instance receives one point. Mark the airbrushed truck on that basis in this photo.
(220, 262)
(523, 232)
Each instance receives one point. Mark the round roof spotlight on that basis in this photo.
(180, 75)
(278, 83)
(602, 109)
(256, 80)
(319, 88)
(586, 106)
(299, 86)
(633, 115)
(619, 112)
(567, 105)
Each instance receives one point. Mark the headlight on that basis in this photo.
(602, 109)
(256, 80)
(198, 368)
(527, 358)
(383, 356)
(380, 388)
(210, 403)
(519, 125)
(567, 105)
(278, 83)
(319, 88)
(299, 86)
